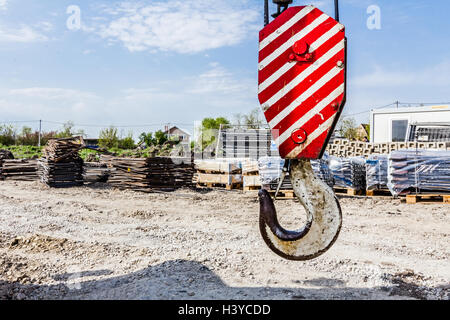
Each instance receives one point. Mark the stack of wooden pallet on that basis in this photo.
(20, 170)
(146, 174)
(218, 173)
(128, 173)
(4, 155)
(170, 173)
(419, 171)
(61, 165)
(95, 172)
(250, 175)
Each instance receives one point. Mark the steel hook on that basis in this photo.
(324, 217)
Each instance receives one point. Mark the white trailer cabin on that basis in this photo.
(391, 125)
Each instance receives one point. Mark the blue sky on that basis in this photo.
(178, 61)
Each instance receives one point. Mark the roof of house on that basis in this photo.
(175, 127)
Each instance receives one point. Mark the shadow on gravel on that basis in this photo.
(181, 279)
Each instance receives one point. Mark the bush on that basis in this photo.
(127, 143)
(108, 138)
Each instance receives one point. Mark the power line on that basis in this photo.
(381, 107)
(398, 103)
(96, 125)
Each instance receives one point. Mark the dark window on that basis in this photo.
(399, 128)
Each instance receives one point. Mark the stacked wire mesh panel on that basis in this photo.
(270, 169)
(377, 172)
(419, 171)
(322, 170)
(349, 172)
(61, 165)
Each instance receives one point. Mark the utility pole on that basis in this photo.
(40, 132)
(397, 103)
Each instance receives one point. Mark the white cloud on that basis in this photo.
(3, 4)
(22, 34)
(189, 26)
(51, 93)
(45, 26)
(215, 92)
(220, 81)
(434, 76)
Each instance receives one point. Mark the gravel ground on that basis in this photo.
(98, 243)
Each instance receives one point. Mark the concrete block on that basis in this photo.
(421, 145)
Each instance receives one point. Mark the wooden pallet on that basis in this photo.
(283, 194)
(252, 188)
(235, 186)
(414, 198)
(378, 193)
(349, 191)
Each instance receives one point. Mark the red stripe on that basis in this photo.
(283, 58)
(275, 24)
(309, 104)
(286, 78)
(306, 84)
(312, 125)
(289, 33)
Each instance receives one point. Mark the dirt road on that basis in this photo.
(98, 243)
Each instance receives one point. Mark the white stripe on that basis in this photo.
(306, 73)
(304, 96)
(310, 139)
(314, 46)
(305, 11)
(326, 36)
(292, 40)
(310, 114)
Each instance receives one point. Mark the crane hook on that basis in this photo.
(324, 217)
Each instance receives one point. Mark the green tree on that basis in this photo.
(66, 131)
(348, 129)
(147, 138)
(7, 135)
(127, 143)
(109, 138)
(252, 120)
(27, 137)
(160, 138)
(209, 130)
